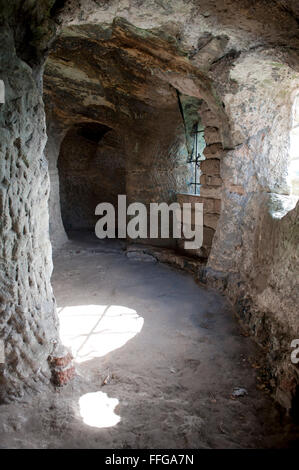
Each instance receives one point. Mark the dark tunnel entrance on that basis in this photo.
(91, 168)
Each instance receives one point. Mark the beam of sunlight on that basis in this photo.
(94, 330)
(97, 410)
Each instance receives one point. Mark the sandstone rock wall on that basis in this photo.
(254, 256)
(28, 321)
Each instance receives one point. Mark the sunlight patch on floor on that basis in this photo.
(97, 410)
(92, 331)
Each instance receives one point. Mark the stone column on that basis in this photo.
(57, 232)
(28, 319)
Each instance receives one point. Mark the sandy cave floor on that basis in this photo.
(157, 360)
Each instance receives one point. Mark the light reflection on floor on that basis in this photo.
(97, 410)
(92, 331)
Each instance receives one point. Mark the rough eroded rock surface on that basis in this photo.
(241, 59)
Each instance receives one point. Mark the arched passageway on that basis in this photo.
(154, 112)
(148, 74)
(91, 167)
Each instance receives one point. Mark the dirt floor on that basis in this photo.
(158, 362)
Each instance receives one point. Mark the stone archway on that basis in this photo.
(146, 110)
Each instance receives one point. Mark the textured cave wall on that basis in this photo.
(274, 297)
(28, 321)
(157, 159)
(254, 257)
(91, 171)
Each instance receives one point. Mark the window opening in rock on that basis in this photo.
(196, 157)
